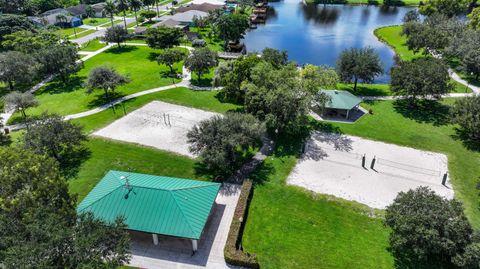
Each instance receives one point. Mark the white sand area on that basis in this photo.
(157, 124)
(332, 164)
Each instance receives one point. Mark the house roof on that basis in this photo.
(78, 9)
(341, 99)
(205, 7)
(154, 204)
(168, 23)
(99, 7)
(54, 11)
(186, 17)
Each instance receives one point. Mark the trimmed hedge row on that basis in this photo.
(233, 254)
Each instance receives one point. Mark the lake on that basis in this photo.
(317, 34)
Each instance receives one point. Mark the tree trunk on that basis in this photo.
(111, 19)
(125, 19)
(355, 86)
(135, 12)
(24, 114)
(158, 10)
(171, 69)
(10, 85)
(199, 74)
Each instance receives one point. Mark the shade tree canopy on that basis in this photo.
(116, 34)
(11, 23)
(359, 64)
(163, 37)
(201, 60)
(106, 79)
(60, 59)
(449, 8)
(169, 57)
(17, 68)
(429, 231)
(465, 113)
(221, 141)
(275, 57)
(231, 27)
(316, 78)
(474, 16)
(19, 101)
(424, 77)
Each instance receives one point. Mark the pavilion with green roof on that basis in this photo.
(153, 204)
(341, 102)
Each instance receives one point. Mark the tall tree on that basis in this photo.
(201, 60)
(169, 57)
(4, 139)
(38, 223)
(53, 136)
(106, 79)
(222, 140)
(116, 34)
(110, 9)
(59, 59)
(465, 113)
(359, 64)
(163, 37)
(421, 78)
(17, 67)
(474, 16)
(428, 231)
(148, 14)
(316, 78)
(275, 57)
(231, 27)
(25, 7)
(234, 74)
(135, 5)
(449, 8)
(10, 23)
(19, 101)
(122, 6)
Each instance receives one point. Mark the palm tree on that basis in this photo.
(135, 5)
(110, 9)
(122, 6)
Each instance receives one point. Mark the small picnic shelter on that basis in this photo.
(341, 103)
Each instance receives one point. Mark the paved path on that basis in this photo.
(458, 79)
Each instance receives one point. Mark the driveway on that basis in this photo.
(177, 253)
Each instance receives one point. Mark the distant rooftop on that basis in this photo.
(154, 204)
(342, 99)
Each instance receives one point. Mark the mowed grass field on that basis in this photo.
(134, 62)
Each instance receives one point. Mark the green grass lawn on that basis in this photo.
(93, 45)
(289, 227)
(206, 79)
(133, 62)
(206, 100)
(108, 155)
(96, 21)
(82, 34)
(213, 43)
(391, 35)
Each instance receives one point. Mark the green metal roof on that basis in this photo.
(153, 204)
(342, 99)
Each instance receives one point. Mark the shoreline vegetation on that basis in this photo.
(365, 2)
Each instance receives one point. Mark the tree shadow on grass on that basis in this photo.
(152, 56)
(122, 49)
(57, 86)
(70, 165)
(100, 99)
(468, 142)
(203, 82)
(424, 111)
(261, 174)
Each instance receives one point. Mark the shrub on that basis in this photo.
(233, 254)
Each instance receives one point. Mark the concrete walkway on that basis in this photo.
(460, 80)
(177, 253)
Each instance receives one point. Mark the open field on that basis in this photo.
(97, 21)
(391, 35)
(332, 164)
(92, 45)
(158, 124)
(290, 227)
(134, 62)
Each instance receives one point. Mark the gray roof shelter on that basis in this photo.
(341, 101)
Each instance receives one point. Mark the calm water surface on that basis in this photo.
(317, 34)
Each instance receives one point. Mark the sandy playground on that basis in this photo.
(157, 124)
(332, 164)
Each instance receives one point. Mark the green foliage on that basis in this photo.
(148, 14)
(428, 231)
(11, 23)
(17, 67)
(275, 57)
(231, 27)
(28, 41)
(60, 59)
(54, 137)
(20, 101)
(449, 8)
(222, 140)
(421, 78)
(465, 47)
(201, 60)
(466, 113)
(106, 79)
(163, 37)
(169, 57)
(474, 16)
(17, 7)
(116, 34)
(232, 74)
(277, 97)
(317, 78)
(359, 64)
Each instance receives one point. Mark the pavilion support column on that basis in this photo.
(155, 239)
(194, 245)
(348, 111)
